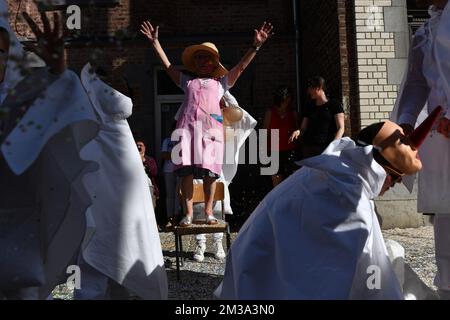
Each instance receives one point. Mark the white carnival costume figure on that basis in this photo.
(46, 120)
(316, 236)
(123, 242)
(427, 83)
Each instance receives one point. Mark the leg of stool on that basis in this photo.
(177, 255)
(181, 250)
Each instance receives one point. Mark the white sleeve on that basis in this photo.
(224, 83)
(416, 90)
(184, 78)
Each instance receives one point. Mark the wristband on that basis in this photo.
(255, 48)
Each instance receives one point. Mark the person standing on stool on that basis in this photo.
(209, 80)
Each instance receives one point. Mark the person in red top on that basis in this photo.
(151, 169)
(282, 117)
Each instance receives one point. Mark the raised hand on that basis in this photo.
(262, 34)
(150, 32)
(294, 136)
(50, 43)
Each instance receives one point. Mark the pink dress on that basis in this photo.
(202, 137)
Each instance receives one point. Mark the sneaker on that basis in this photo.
(220, 253)
(199, 254)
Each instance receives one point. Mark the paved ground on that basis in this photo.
(199, 280)
(419, 250)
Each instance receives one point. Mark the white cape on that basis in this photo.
(315, 236)
(123, 242)
(47, 157)
(43, 200)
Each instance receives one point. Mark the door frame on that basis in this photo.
(158, 101)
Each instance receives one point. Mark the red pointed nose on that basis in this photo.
(419, 134)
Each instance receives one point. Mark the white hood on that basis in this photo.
(353, 161)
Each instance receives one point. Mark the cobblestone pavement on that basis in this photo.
(419, 250)
(199, 280)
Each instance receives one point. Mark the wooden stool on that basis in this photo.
(200, 226)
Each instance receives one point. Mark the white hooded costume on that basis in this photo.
(123, 241)
(42, 197)
(316, 236)
(427, 84)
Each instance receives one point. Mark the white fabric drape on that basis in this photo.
(425, 86)
(124, 243)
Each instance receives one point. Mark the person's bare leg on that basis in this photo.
(209, 188)
(276, 180)
(187, 191)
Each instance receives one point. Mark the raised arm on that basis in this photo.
(298, 133)
(49, 44)
(152, 36)
(340, 125)
(261, 36)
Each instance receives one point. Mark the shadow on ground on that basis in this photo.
(192, 285)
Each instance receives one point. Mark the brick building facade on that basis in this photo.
(359, 46)
(319, 35)
(323, 32)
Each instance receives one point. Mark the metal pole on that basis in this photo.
(297, 53)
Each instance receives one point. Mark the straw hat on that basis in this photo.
(188, 58)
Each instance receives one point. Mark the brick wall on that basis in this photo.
(183, 22)
(320, 43)
(326, 28)
(327, 39)
(376, 48)
(349, 65)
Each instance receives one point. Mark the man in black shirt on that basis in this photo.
(323, 120)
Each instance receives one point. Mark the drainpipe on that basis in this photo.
(297, 53)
